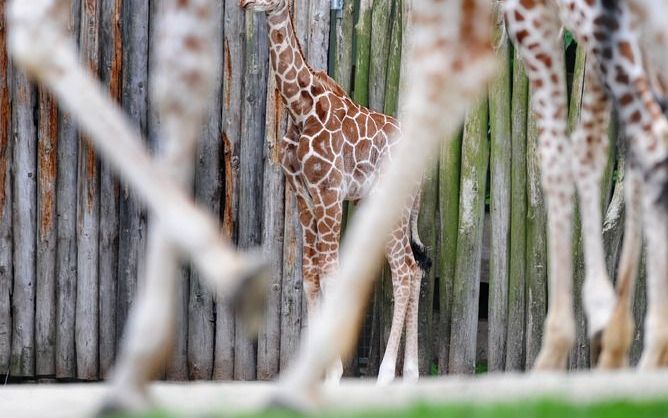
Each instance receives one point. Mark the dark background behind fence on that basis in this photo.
(72, 238)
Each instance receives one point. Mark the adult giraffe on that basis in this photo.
(333, 151)
(609, 29)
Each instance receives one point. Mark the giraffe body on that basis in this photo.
(615, 72)
(333, 151)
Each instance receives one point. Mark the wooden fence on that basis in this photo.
(72, 239)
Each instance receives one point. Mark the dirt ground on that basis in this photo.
(80, 400)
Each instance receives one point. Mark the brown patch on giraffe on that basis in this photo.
(291, 74)
(635, 117)
(626, 99)
(193, 43)
(311, 126)
(304, 78)
(621, 76)
(609, 22)
(304, 104)
(278, 36)
(290, 88)
(286, 57)
(322, 108)
(348, 128)
(528, 4)
(521, 35)
(361, 125)
(518, 16)
(322, 146)
(626, 51)
(600, 36)
(545, 59)
(282, 66)
(363, 149)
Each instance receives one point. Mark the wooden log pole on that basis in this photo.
(47, 172)
(6, 246)
(66, 207)
(518, 217)
(500, 211)
(88, 226)
(536, 246)
(24, 206)
(466, 286)
(111, 55)
(233, 61)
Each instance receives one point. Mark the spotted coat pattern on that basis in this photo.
(609, 30)
(333, 151)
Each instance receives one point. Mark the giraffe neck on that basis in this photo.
(294, 77)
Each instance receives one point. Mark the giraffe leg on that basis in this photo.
(655, 353)
(402, 264)
(535, 27)
(618, 334)
(153, 314)
(310, 259)
(328, 215)
(608, 30)
(411, 371)
(590, 147)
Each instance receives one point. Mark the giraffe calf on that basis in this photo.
(334, 151)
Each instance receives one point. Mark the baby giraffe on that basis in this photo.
(333, 151)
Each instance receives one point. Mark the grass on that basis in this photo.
(530, 409)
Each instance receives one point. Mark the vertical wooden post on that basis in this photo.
(500, 153)
(269, 341)
(362, 58)
(88, 205)
(47, 169)
(318, 33)
(428, 223)
(208, 191)
(536, 246)
(466, 289)
(23, 220)
(132, 232)
(341, 49)
(66, 251)
(380, 31)
(110, 71)
(251, 167)
(448, 194)
(579, 357)
(518, 218)
(231, 118)
(6, 247)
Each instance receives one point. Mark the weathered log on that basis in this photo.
(500, 211)
(466, 287)
(518, 217)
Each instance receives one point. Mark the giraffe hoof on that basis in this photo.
(384, 378)
(249, 300)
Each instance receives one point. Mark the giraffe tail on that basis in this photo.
(419, 249)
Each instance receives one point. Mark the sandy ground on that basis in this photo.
(81, 400)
